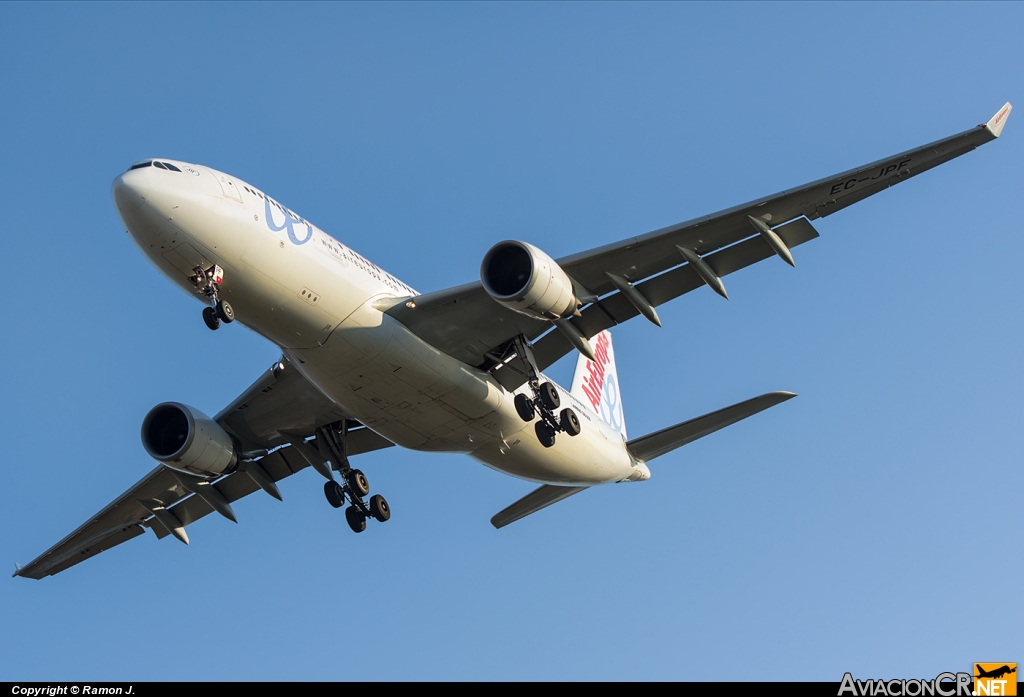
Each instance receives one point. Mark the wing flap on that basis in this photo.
(279, 465)
(121, 513)
(616, 309)
(79, 555)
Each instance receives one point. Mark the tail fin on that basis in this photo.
(596, 383)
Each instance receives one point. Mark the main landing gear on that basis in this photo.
(546, 402)
(353, 486)
(208, 282)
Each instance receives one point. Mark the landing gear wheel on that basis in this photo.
(545, 434)
(355, 518)
(211, 319)
(357, 480)
(548, 394)
(570, 422)
(225, 311)
(334, 493)
(379, 508)
(524, 407)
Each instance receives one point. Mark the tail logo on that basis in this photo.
(611, 410)
(594, 380)
(597, 383)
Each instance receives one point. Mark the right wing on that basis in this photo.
(466, 323)
(279, 401)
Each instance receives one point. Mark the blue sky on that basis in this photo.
(871, 525)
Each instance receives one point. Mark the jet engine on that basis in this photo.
(186, 439)
(525, 279)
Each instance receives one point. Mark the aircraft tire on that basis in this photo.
(570, 422)
(211, 318)
(334, 493)
(524, 407)
(549, 396)
(358, 482)
(545, 434)
(225, 312)
(379, 508)
(355, 519)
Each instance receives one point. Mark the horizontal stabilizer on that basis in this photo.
(533, 502)
(666, 440)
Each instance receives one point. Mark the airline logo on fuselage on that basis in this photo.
(338, 251)
(290, 219)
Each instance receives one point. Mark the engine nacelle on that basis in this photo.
(525, 279)
(186, 439)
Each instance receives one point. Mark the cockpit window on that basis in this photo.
(154, 163)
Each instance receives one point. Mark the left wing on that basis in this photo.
(536, 500)
(280, 401)
(466, 323)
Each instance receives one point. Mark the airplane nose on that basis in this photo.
(127, 190)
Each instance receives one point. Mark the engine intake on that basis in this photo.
(186, 439)
(525, 279)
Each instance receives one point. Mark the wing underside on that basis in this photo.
(280, 401)
(469, 325)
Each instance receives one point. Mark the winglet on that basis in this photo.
(996, 123)
(17, 570)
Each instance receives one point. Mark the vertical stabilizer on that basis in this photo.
(596, 383)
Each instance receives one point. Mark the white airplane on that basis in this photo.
(369, 363)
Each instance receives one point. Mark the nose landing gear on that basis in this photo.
(208, 282)
(354, 485)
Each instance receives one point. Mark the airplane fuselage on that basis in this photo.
(323, 304)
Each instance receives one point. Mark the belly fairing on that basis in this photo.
(423, 399)
(401, 387)
(583, 460)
